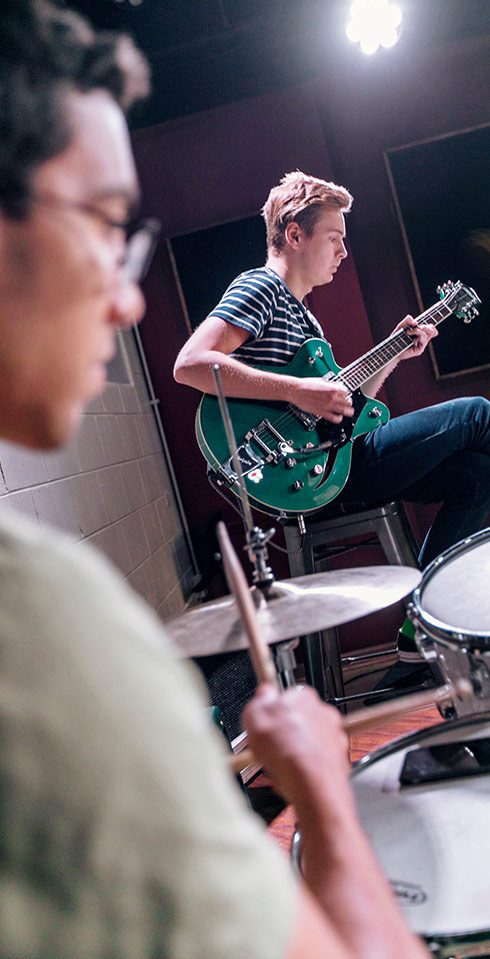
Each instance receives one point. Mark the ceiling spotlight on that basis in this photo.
(374, 24)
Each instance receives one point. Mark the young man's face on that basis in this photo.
(323, 252)
(62, 297)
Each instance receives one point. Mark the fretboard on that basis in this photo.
(361, 370)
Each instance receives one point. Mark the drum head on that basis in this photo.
(454, 595)
(432, 840)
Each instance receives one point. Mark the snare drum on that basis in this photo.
(432, 840)
(451, 613)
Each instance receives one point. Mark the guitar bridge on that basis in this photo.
(282, 448)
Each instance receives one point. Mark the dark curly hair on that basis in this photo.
(46, 52)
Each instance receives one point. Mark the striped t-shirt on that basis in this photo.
(259, 301)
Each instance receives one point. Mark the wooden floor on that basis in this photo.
(282, 824)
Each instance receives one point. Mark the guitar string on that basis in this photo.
(289, 417)
(388, 349)
(402, 335)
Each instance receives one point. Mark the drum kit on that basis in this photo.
(423, 800)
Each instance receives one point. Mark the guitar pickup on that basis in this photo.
(308, 420)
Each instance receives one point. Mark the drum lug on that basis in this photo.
(479, 675)
(434, 947)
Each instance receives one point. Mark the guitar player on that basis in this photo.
(440, 454)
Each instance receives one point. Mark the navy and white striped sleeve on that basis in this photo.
(248, 302)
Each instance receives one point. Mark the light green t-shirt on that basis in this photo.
(122, 833)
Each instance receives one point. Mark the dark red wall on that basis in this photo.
(219, 166)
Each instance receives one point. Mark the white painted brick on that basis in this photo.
(88, 445)
(62, 463)
(21, 468)
(55, 505)
(135, 538)
(22, 502)
(90, 507)
(112, 542)
(133, 483)
(114, 492)
(112, 400)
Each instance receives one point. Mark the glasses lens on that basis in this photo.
(140, 249)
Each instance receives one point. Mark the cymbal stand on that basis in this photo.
(257, 539)
(256, 545)
(285, 662)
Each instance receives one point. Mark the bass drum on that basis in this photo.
(433, 839)
(451, 612)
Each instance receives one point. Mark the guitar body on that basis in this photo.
(284, 473)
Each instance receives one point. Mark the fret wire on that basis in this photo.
(367, 366)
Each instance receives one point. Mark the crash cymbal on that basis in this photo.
(295, 607)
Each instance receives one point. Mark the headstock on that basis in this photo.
(462, 300)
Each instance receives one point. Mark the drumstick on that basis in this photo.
(235, 577)
(375, 715)
(372, 715)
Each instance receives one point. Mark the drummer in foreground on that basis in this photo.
(122, 833)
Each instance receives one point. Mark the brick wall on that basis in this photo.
(112, 487)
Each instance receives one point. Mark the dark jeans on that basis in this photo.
(440, 454)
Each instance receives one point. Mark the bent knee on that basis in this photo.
(476, 405)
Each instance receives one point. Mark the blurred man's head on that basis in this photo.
(67, 185)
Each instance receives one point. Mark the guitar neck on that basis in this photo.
(361, 370)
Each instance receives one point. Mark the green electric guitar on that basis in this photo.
(295, 462)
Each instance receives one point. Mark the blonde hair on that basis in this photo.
(301, 199)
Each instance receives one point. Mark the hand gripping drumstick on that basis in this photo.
(259, 651)
(375, 715)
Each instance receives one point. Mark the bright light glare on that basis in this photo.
(373, 23)
(369, 45)
(388, 38)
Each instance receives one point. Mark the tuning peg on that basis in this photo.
(469, 314)
(444, 288)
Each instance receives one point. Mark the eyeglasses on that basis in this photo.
(140, 247)
(140, 241)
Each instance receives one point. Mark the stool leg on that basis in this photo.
(314, 662)
(323, 664)
(395, 540)
(301, 562)
(300, 551)
(335, 681)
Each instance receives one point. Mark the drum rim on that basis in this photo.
(419, 735)
(455, 938)
(461, 939)
(408, 740)
(441, 629)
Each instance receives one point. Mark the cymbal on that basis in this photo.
(294, 607)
